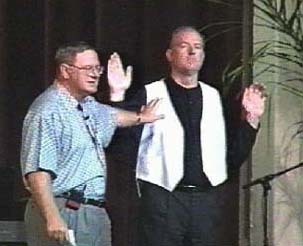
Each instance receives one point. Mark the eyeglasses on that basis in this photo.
(90, 69)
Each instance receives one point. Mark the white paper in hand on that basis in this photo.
(71, 238)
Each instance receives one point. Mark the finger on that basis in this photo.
(55, 235)
(157, 103)
(63, 235)
(259, 87)
(264, 92)
(110, 63)
(257, 92)
(113, 58)
(245, 94)
(115, 61)
(160, 116)
(151, 102)
(58, 236)
(264, 99)
(129, 73)
(154, 103)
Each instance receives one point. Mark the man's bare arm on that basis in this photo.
(147, 114)
(40, 187)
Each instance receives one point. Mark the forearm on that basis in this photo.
(147, 114)
(128, 118)
(240, 144)
(40, 187)
(125, 118)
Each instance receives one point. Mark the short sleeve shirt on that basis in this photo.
(67, 139)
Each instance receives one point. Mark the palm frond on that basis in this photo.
(283, 56)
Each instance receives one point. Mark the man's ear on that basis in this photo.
(64, 71)
(168, 54)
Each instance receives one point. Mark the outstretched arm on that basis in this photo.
(147, 114)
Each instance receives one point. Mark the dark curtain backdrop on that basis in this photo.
(30, 32)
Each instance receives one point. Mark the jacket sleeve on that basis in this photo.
(240, 142)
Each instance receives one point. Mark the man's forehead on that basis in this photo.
(87, 56)
(187, 35)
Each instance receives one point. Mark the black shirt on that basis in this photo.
(188, 106)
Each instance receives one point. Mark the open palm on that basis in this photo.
(254, 100)
(119, 79)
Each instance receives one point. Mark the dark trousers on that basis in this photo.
(180, 218)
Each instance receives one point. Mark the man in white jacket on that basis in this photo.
(182, 158)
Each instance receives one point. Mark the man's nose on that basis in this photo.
(191, 50)
(94, 73)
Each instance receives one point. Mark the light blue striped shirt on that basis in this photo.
(68, 141)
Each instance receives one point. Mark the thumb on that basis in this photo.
(129, 72)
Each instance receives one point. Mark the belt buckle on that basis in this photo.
(97, 203)
(189, 188)
(100, 203)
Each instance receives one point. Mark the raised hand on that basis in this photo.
(253, 102)
(119, 79)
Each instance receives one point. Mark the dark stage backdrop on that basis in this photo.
(30, 32)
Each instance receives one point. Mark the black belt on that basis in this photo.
(83, 200)
(97, 203)
(191, 188)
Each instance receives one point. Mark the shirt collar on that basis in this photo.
(66, 98)
(171, 83)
